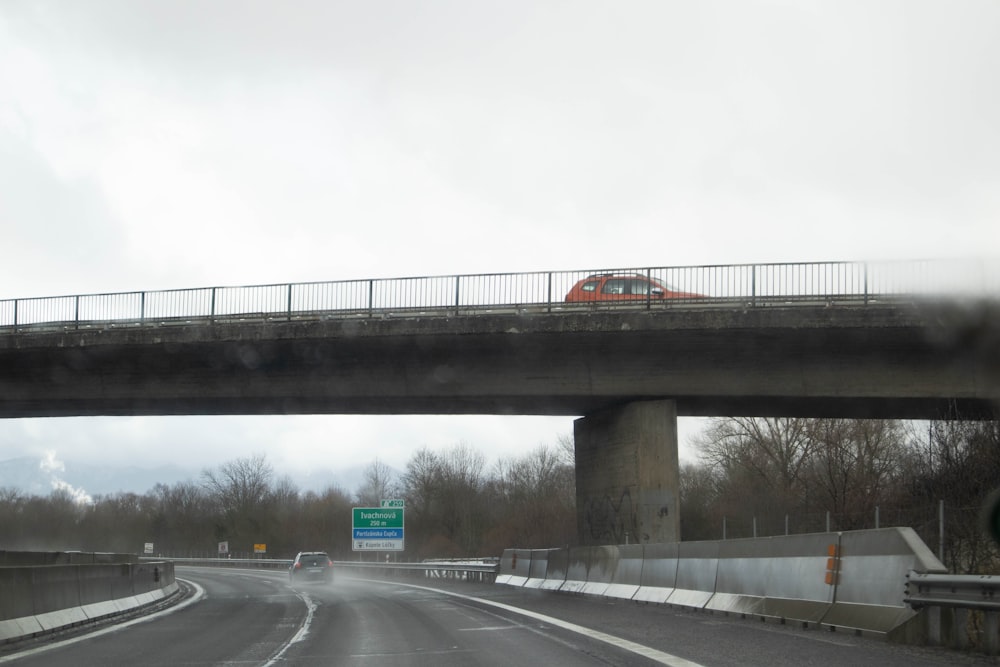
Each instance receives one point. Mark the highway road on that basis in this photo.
(240, 617)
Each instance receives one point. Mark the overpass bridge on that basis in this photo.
(849, 339)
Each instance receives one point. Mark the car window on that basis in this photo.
(638, 287)
(614, 286)
(589, 286)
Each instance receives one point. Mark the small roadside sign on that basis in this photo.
(260, 548)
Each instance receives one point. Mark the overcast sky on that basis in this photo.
(154, 145)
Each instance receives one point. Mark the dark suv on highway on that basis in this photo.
(311, 566)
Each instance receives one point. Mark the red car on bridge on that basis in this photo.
(624, 287)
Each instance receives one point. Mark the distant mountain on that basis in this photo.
(31, 477)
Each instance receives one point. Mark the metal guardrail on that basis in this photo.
(958, 595)
(749, 285)
(966, 591)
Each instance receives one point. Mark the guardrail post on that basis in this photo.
(371, 297)
(15, 313)
(991, 632)
(142, 306)
(933, 626)
(753, 285)
(212, 313)
(76, 314)
(289, 302)
(458, 282)
(960, 628)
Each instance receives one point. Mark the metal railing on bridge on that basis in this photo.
(746, 285)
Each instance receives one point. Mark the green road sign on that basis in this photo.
(378, 517)
(377, 529)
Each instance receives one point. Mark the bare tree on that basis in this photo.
(762, 462)
(380, 481)
(241, 490)
(855, 465)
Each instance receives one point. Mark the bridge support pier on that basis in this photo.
(627, 476)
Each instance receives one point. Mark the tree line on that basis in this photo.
(456, 506)
(754, 476)
(772, 476)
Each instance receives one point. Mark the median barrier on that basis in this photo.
(515, 566)
(742, 576)
(872, 566)
(538, 568)
(659, 572)
(627, 573)
(602, 565)
(506, 567)
(38, 558)
(697, 566)
(49, 597)
(577, 566)
(798, 585)
(555, 572)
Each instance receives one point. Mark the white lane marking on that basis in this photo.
(199, 593)
(624, 644)
(302, 632)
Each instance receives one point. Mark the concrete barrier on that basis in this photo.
(797, 584)
(603, 564)
(515, 566)
(56, 595)
(578, 565)
(538, 568)
(742, 576)
(854, 580)
(697, 566)
(659, 572)
(556, 571)
(627, 574)
(871, 579)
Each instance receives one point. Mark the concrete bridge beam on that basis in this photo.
(627, 474)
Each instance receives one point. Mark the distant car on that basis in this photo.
(311, 566)
(624, 287)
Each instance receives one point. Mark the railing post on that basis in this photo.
(142, 307)
(458, 283)
(371, 296)
(649, 288)
(753, 285)
(15, 313)
(866, 283)
(289, 302)
(212, 313)
(548, 292)
(76, 314)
